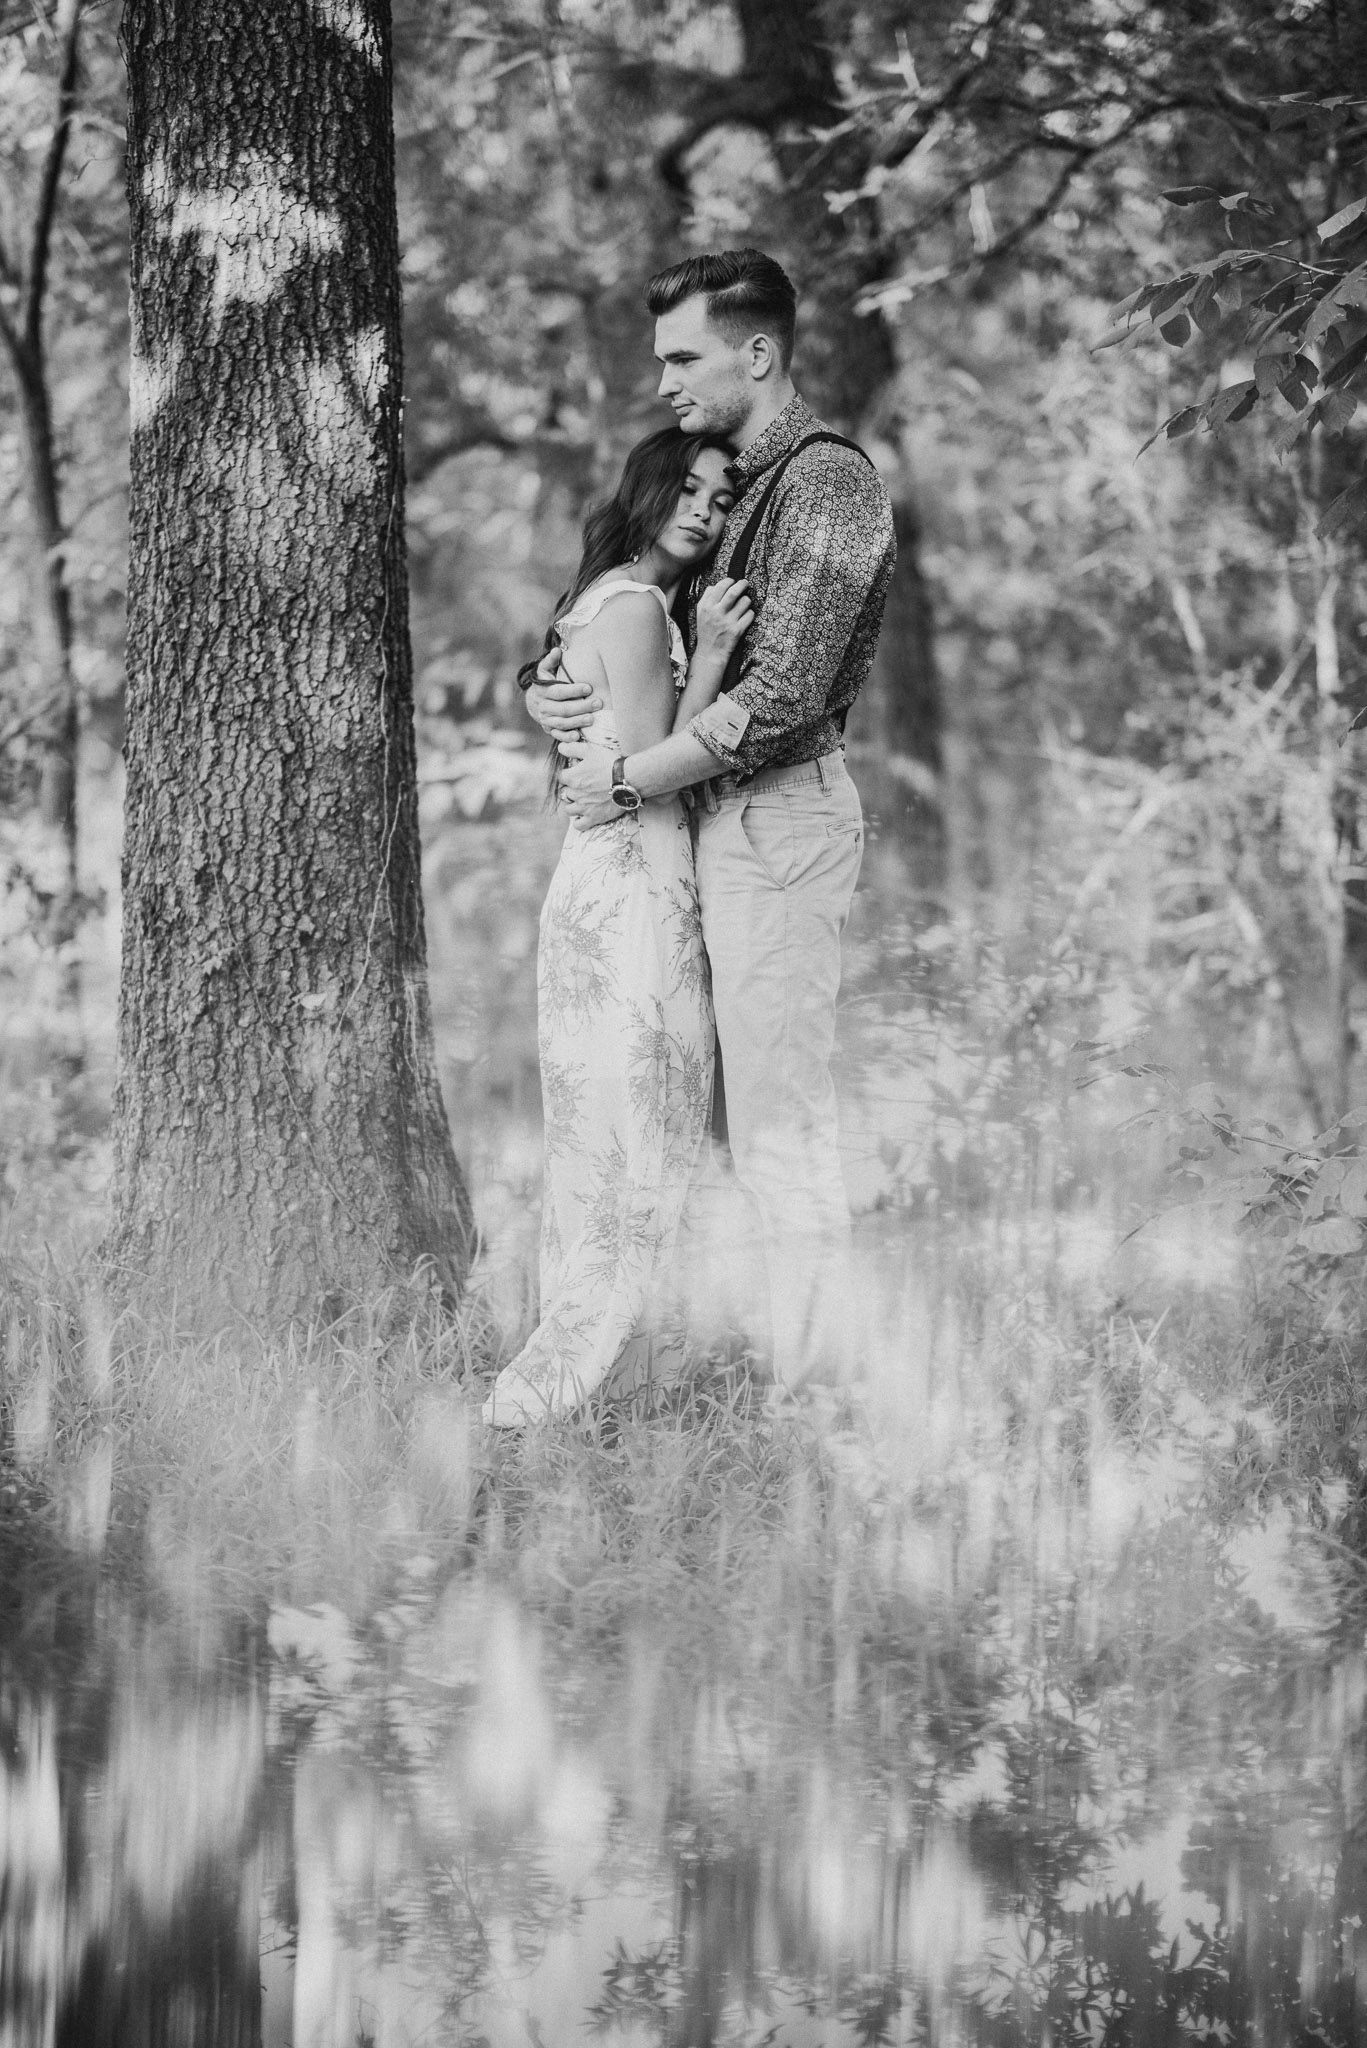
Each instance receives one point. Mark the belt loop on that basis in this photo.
(823, 772)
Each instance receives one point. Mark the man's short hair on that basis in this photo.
(746, 291)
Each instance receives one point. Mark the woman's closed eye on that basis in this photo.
(716, 501)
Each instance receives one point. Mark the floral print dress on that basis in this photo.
(625, 1032)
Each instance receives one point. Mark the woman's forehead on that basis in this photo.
(710, 465)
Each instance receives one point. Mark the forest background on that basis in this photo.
(1106, 747)
(1096, 1510)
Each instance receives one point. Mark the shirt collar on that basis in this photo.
(781, 434)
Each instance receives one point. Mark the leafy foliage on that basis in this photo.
(1300, 313)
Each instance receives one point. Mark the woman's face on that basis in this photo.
(699, 516)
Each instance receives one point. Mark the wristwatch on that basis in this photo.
(624, 794)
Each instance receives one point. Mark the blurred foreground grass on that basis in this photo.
(1015, 1386)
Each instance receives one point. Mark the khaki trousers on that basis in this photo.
(778, 856)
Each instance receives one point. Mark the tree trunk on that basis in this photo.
(21, 329)
(52, 632)
(280, 1136)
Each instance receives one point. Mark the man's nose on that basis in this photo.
(669, 381)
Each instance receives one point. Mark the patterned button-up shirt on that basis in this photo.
(819, 569)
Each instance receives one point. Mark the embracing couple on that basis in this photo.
(713, 850)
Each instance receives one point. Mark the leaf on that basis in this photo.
(1127, 306)
(1278, 296)
(1277, 344)
(1191, 195)
(1345, 365)
(1121, 331)
(1176, 331)
(1348, 512)
(1172, 294)
(1334, 1238)
(1322, 318)
(1336, 409)
(1344, 218)
(1205, 308)
(1353, 1193)
(1298, 381)
(1233, 403)
(1184, 422)
(1290, 431)
(1229, 293)
(1329, 1181)
(1267, 375)
(1143, 446)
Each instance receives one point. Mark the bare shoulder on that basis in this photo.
(632, 618)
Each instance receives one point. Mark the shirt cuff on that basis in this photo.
(721, 728)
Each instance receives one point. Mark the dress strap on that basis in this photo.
(592, 602)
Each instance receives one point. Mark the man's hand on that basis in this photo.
(585, 784)
(559, 707)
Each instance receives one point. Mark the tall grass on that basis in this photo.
(1004, 1375)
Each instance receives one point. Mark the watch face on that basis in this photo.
(625, 797)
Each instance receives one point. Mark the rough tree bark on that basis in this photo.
(280, 1136)
(23, 306)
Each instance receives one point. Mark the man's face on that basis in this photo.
(706, 377)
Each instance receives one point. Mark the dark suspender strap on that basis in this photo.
(740, 556)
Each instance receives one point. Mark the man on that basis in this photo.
(779, 830)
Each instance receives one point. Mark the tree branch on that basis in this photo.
(30, 722)
(1079, 156)
(14, 342)
(17, 15)
(35, 282)
(420, 463)
(752, 99)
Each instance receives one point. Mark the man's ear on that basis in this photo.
(763, 357)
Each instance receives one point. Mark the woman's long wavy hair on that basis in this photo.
(626, 524)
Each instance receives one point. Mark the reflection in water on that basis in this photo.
(129, 1820)
(1070, 1784)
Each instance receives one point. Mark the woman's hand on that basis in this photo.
(726, 612)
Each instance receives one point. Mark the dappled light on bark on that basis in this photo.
(287, 891)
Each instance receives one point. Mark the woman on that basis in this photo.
(624, 1011)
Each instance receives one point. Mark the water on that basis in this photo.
(1098, 1776)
